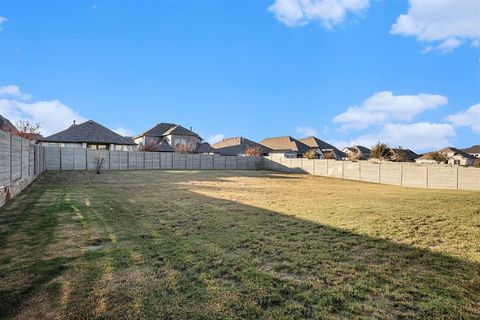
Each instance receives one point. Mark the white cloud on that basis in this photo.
(216, 138)
(383, 106)
(124, 132)
(443, 25)
(13, 91)
(2, 20)
(328, 12)
(420, 136)
(469, 118)
(306, 131)
(53, 115)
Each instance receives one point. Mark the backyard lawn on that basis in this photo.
(236, 245)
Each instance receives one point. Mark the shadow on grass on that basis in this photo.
(194, 256)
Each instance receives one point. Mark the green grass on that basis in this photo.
(237, 244)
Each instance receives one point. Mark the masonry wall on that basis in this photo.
(57, 158)
(401, 174)
(20, 163)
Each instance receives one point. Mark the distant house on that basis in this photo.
(453, 155)
(407, 155)
(473, 151)
(363, 153)
(286, 146)
(237, 146)
(205, 148)
(89, 135)
(7, 126)
(323, 148)
(173, 134)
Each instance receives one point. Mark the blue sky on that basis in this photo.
(358, 71)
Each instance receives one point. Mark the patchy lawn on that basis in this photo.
(237, 244)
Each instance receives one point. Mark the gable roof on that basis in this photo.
(409, 154)
(286, 143)
(164, 129)
(205, 147)
(164, 146)
(89, 131)
(314, 142)
(6, 125)
(457, 151)
(237, 145)
(473, 149)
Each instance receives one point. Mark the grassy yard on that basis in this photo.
(237, 244)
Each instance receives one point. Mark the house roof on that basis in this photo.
(237, 145)
(428, 156)
(6, 125)
(164, 146)
(457, 151)
(90, 132)
(314, 142)
(409, 154)
(205, 147)
(286, 143)
(362, 149)
(473, 149)
(164, 129)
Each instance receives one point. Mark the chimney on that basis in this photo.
(74, 123)
(191, 128)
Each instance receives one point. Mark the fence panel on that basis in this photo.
(5, 154)
(67, 158)
(351, 170)
(442, 177)
(469, 178)
(391, 173)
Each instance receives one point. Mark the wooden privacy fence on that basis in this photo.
(401, 174)
(57, 158)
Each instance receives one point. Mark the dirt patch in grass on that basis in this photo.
(237, 244)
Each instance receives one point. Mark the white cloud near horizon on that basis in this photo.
(214, 138)
(306, 131)
(420, 136)
(384, 107)
(328, 13)
(124, 132)
(441, 25)
(468, 118)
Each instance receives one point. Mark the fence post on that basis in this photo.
(457, 177)
(327, 169)
(343, 169)
(86, 159)
(426, 176)
(359, 171)
(21, 158)
(401, 174)
(379, 168)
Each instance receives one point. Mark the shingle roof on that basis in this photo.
(457, 151)
(89, 131)
(6, 125)
(409, 154)
(314, 142)
(164, 146)
(473, 149)
(205, 147)
(286, 143)
(237, 145)
(163, 129)
(363, 150)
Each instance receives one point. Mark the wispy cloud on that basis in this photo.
(468, 118)
(124, 132)
(13, 91)
(216, 138)
(306, 131)
(441, 25)
(328, 12)
(2, 21)
(384, 106)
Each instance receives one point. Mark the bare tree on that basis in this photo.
(439, 157)
(186, 147)
(311, 154)
(399, 155)
(354, 156)
(27, 130)
(329, 155)
(381, 151)
(255, 151)
(99, 162)
(151, 146)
